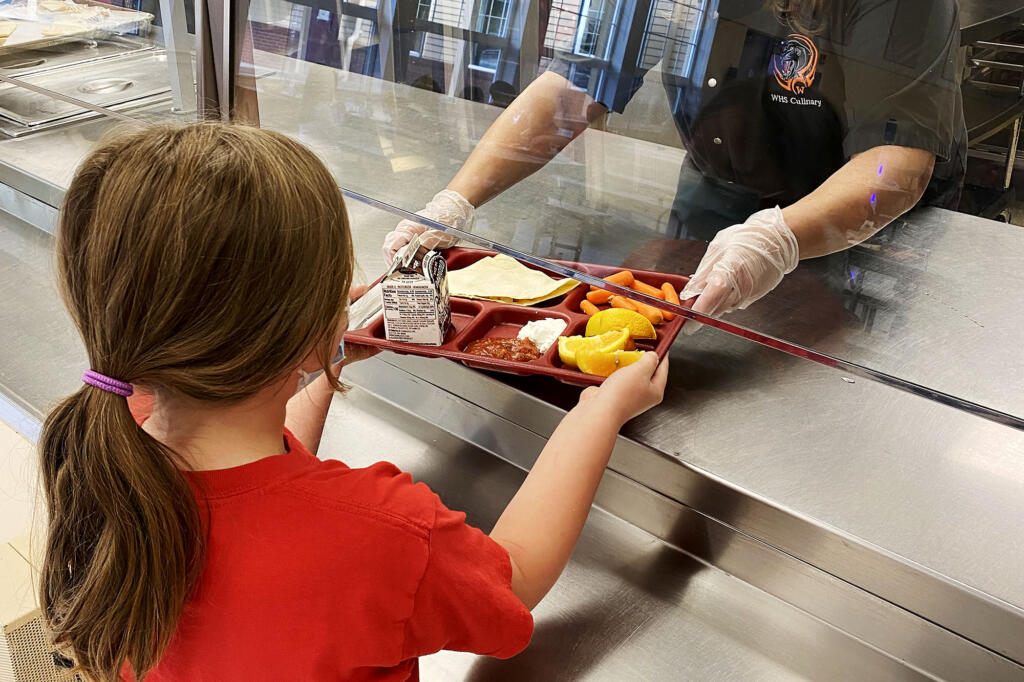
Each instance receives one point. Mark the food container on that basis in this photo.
(36, 28)
(477, 319)
(415, 300)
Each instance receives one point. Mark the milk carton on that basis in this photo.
(415, 297)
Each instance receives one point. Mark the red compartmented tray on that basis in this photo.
(474, 319)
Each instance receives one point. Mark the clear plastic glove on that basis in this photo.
(448, 207)
(742, 264)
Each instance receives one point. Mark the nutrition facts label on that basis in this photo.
(411, 313)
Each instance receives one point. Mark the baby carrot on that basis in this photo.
(588, 307)
(670, 296)
(598, 297)
(624, 278)
(644, 288)
(670, 293)
(651, 313)
(625, 303)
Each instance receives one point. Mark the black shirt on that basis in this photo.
(775, 109)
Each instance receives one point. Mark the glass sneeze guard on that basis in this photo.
(396, 99)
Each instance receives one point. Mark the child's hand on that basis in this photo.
(356, 292)
(631, 390)
(355, 352)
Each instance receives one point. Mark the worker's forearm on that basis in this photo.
(530, 132)
(866, 194)
(541, 524)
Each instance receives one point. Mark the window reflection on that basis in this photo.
(670, 33)
(483, 50)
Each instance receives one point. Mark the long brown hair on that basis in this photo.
(802, 15)
(206, 261)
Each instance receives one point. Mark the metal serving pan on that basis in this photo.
(122, 79)
(67, 52)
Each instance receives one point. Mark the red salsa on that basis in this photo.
(517, 350)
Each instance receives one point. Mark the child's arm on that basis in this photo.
(541, 524)
(307, 409)
(307, 412)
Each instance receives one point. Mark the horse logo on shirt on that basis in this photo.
(795, 63)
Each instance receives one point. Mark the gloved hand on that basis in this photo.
(447, 207)
(742, 264)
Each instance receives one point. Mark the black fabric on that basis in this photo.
(788, 107)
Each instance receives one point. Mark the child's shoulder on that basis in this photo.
(381, 491)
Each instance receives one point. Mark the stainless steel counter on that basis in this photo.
(628, 607)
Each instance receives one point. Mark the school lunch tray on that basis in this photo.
(474, 319)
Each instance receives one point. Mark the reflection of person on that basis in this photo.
(425, 82)
(502, 93)
(846, 113)
(193, 533)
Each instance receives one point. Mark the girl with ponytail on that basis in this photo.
(173, 248)
(192, 532)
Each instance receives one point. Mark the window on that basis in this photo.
(563, 22)
(670, 35)
(580, 76)
(493, 18)
(436, 45)
(488, 60)
(589, 29)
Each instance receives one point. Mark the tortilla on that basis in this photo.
(504, 279)
(7, 28)
(59, 29)
(69, 8)
(55, 6)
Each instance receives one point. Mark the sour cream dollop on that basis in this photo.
(544, 332)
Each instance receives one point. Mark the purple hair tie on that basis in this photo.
(103, 382)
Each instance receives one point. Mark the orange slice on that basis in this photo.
(609, 342)
(604, 364)
(619, 318)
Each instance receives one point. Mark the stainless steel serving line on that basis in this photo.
(773, 519)
(630, 606)
(783, 496)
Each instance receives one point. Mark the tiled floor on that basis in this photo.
(17, 484)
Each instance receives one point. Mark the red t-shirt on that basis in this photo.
(315, 571)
